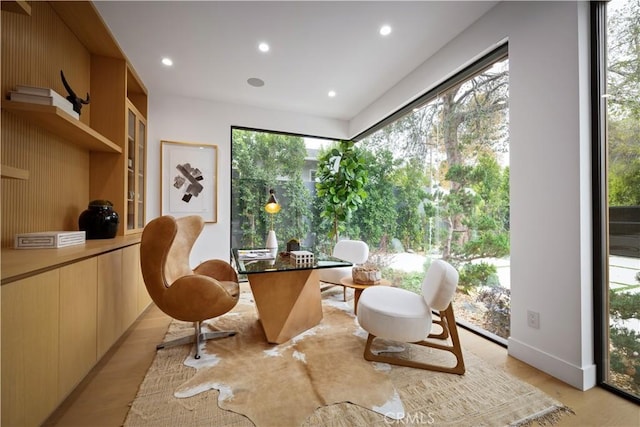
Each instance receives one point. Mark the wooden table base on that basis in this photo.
(288, 302)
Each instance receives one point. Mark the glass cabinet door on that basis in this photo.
(131, 160)
(142, 137)
(136, 154)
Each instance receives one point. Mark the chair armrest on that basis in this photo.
(218, 269)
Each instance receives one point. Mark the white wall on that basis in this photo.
(550, 167)
(551, 239)
(193, 120)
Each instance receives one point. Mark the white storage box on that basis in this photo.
(49, 239)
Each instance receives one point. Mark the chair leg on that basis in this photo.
(196, 338)
(447, 322)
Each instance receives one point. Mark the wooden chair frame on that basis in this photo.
(449, 329)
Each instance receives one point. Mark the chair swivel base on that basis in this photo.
(189, 339)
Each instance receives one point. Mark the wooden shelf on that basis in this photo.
(13, 173)
(60, 123)
(16, 6)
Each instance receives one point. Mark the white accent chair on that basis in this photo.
(400, 315)
(354, 251)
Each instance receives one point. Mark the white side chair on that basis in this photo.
(400, 315)
(354, 251)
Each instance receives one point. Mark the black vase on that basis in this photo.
(99, 221)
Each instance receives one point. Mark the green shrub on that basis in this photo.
(474, 275)
(497, 318)
(625, 343)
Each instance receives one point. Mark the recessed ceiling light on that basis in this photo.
(332, 93)
(385, 30)
(264, 47)
(167, 61)
(255, 82)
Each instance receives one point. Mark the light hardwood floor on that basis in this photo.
(103, 398)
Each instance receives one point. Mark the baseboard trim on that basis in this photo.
(582, 378)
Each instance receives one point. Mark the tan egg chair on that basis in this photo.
(210, 290)
(403, 316)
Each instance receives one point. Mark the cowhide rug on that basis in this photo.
(284, 384)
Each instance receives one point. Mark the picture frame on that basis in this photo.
(189, 179)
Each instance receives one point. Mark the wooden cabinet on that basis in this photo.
(57, 324)
(62, 309)
(30, 316)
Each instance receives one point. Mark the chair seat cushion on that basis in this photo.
(394, 313)
(333, 275)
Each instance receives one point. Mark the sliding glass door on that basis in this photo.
(619, 153)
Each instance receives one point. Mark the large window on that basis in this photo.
(431, 181)
(447, 160)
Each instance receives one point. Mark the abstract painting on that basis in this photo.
(189, 179)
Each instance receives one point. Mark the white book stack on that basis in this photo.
(42, 96)
(49, 239)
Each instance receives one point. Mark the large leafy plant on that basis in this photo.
(341, 179)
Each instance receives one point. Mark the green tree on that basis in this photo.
(341, 179)
(411, 181)
(450, 134)
(624, 162)
(296, 218)
(481, 199)
(376, 219)
(623, 103)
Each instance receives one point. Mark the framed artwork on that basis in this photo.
(189, 179)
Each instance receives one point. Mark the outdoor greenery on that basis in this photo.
(625, 342)
(623, 103)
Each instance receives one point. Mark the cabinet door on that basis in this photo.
(78, 302)
(109, 311)
(130, 278)
(30, 317)
(136, 169)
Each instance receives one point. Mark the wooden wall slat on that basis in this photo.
(58, 187)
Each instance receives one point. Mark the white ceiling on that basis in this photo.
(316, 46)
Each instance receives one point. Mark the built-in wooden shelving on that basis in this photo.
(16, 6)
(13, 173)
(57, 121)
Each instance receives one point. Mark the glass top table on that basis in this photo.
(261, 261)
(286, 293)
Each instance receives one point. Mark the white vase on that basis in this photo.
(272, 242)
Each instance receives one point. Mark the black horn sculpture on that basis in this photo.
(73, 98)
